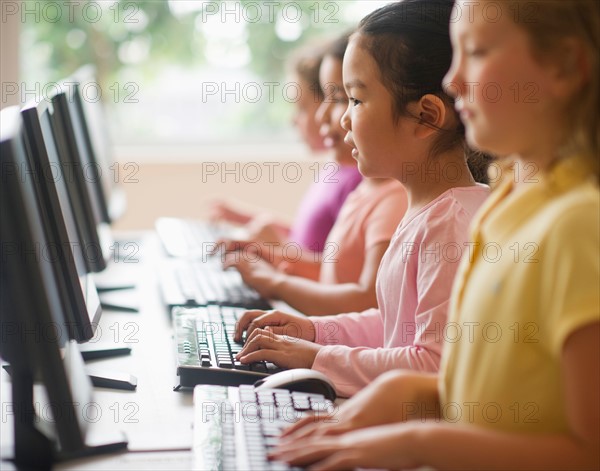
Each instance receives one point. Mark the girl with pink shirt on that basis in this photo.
(400, 124)
(346, 274)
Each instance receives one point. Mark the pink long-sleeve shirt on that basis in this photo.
(413, 291)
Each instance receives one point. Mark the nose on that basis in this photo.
(323, 117)
(346, 121)
(453, 80)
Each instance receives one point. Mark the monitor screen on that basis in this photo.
(31, 316)
(87, 97)
(83, 177)
(82, 305)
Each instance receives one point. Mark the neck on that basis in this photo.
(434, 177)
(539, 157)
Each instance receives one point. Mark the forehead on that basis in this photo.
(470, 18)
(330, 70)
(358, 62)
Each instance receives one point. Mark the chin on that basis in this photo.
(343, 157)
(364, 170)
(475, 139)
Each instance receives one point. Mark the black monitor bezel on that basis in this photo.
(81, 322)
(31, 298)
(92, 114)
(70, 136)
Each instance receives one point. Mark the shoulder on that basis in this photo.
(572, 218)
(457, 203)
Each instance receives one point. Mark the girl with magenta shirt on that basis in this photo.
(321, 204)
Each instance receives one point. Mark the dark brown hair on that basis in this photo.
(410, 42)
(305, 64)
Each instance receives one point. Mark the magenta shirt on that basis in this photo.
(414, 283)
(321, 205)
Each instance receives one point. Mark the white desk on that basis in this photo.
(156, 420)
(153, 417)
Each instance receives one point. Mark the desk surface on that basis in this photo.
(153, 417)
(156, 420)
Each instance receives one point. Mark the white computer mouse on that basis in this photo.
(301, 380)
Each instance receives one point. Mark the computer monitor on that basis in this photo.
(83, 176)
(76, 285)
(31, 319)
(87, 96)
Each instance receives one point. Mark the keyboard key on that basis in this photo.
(224, 363)
(218, 438)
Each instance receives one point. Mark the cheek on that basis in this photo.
(300, 121)
(336, 117)
(498, 87)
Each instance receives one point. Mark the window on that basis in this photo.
(181, 71)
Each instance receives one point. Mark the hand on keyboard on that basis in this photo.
(375, 405)
(283, 351)
(256, 272)
(383, 447)
(278, 322)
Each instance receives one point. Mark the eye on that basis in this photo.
(475, 52)
(354, 101)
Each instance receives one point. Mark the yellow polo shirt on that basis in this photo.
(532, 280)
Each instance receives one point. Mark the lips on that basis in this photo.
(464, 113)
(348, 141)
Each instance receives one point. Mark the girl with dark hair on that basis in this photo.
(347, 273)
(400, 124)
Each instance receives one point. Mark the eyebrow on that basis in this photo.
(354, 84)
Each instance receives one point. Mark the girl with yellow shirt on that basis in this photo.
(519, 384)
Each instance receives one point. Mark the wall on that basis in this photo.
(185, 189)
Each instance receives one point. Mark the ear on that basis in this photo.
(572, 68)
(431, 112)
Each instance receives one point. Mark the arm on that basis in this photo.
(395, 396)
(222, 211)
(307, 296)
(316, 299)
(446, 446)
(309, 266)
(354, 329)
(351, 369)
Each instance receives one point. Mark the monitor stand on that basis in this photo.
(33, 449)
(113, 380)
(98, 351)
(107, 378)
(124, 301)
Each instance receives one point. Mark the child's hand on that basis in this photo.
(257, 273)
(222, 211)
(284, 351)
(396, 396)
(278, 323)
(384, 447)
(250, 249)
(265, 231)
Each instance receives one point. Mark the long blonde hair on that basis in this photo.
(549, 23)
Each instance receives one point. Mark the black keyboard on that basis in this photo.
(206, 350)
(198, 283)
(188, 237)
(234, 428)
